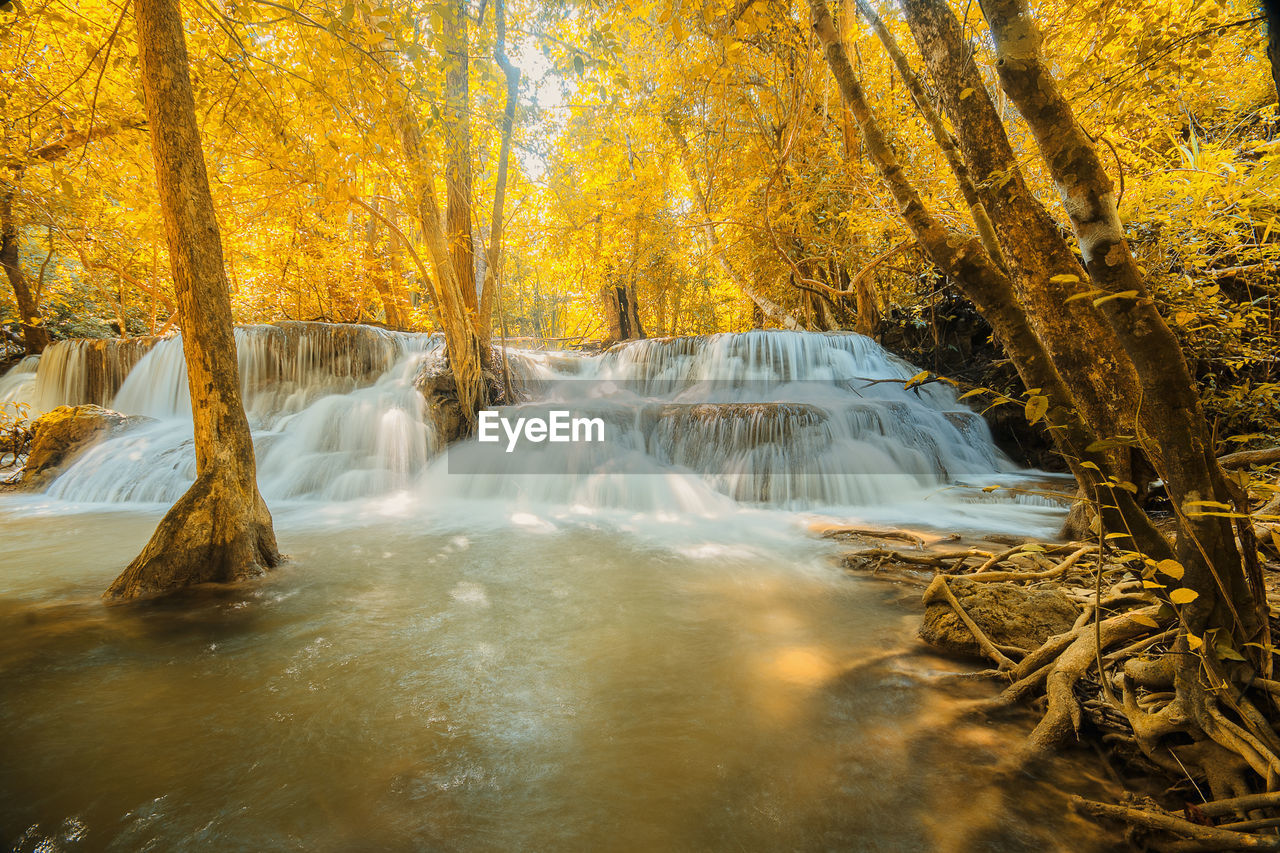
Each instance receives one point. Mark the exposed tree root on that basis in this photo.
(1126, 678)
(220, 527)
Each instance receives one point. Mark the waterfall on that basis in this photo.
(81, 371)
(693, 425)
(785, 419)
(18, 385)
(332, 409)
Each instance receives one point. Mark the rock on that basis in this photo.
(436, 384)
(62, 434)
(1009, 615)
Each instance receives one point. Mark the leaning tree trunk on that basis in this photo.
(1169, 415)
(1042, 267)
(34, 335)
(220, 530)
(964, 259)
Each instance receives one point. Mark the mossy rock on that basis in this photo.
(61, 435)
(1008, 614)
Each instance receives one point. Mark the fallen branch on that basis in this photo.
(1208, 837)
(1246, 458)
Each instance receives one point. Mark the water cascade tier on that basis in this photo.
(701, 424)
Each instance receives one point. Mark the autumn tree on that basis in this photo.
(1027, 308)
(220, 530)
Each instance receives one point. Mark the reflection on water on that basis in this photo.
(560, 686)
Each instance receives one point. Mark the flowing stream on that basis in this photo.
(635, 644)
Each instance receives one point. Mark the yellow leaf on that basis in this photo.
(1036, 408)
(1183, 595)
(1144, 619)
(1124, 294)
(967, 93)
(1085, 295)
(1172, 568)
(1064, 278)
(1194, 642)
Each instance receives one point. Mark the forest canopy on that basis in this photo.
(689, 152)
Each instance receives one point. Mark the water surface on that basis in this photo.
(497, 680)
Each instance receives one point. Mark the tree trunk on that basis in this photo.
(941, 134)
(1043, 269)
(466, 341)
(457, 124)
(377, 274)
(1170, 416)
(967, 263)
(512, 74)
(34, 335)
(220, 530)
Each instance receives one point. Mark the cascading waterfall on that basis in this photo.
(694, 425)
(18, 385)
(775, 418)
(74, 372)
(332, 408)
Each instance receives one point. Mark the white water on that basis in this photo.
(704, 426)
(18, 385)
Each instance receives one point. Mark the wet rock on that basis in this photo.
(1009, 615)
(62, 434)
(438, 388)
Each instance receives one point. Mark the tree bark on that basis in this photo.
(220, 530)
(492, 269)
(1170, 415)
(377, 275)
(34, 336)
(963, 258)
(457, 123)
(466, 341)
(941, 134)
(1043, 269)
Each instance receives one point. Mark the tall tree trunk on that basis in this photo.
(941, 134)
(34, 335)
(377, 274)
(492, 269)
(220, 530)
(1043, 269)
(1170, 416)
(963, 259)
(457, 124)
(466, 342)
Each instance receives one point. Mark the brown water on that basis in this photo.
(530, 684)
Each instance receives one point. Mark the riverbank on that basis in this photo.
(1076, 632)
